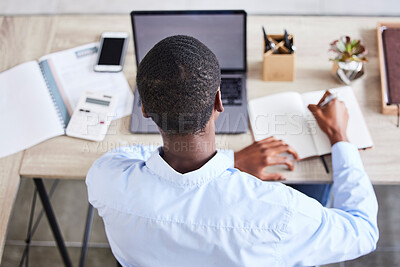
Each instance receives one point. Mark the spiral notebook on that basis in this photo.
(37, 98)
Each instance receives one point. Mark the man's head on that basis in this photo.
(178, 81)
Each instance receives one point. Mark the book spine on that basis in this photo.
(55, 94)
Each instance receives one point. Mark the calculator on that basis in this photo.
(92, 116)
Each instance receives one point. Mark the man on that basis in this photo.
(188, 204)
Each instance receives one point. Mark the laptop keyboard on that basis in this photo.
(231, 91)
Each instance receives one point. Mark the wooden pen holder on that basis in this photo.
(279, 67)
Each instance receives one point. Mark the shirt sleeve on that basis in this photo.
(317, 235)
(107, 172)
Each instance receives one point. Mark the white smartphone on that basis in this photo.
(112, 50)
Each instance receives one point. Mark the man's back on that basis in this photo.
(219, 216)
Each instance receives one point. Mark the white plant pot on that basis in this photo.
(346, 72)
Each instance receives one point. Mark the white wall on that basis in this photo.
(289, 7)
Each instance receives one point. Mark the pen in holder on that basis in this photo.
(279, 57)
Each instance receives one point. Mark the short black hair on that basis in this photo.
(177, 81)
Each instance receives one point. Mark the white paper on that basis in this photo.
(73, 70)
(27, 113)
(282, 116)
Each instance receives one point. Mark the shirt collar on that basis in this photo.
(212, 169)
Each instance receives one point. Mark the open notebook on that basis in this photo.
(37, 98)
(287, 117)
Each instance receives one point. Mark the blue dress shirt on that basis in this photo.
(220, 216)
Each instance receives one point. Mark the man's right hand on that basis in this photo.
(254, 158)
(332, 118)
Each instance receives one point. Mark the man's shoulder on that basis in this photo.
(253, 189)
(124, 154)
(243, 177)
(115, 167)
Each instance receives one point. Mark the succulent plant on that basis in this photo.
(348, 50)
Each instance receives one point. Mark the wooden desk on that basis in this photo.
(28, 38)
(69, 158)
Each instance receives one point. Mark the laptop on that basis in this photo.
(224, 32)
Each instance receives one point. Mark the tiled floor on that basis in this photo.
(70, 205)
(50, 257)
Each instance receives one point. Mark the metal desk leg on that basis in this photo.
(86, 235)
(52, 220)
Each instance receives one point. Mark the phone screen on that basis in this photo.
(111, 51)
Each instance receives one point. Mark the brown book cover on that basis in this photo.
(391, 44)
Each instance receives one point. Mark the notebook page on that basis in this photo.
(27, 112)
(357, 130)
(282, 115)
(74, 74)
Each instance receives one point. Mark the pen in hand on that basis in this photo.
(327, 99)
(332, 119)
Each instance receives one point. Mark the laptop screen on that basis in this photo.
(224, 32)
